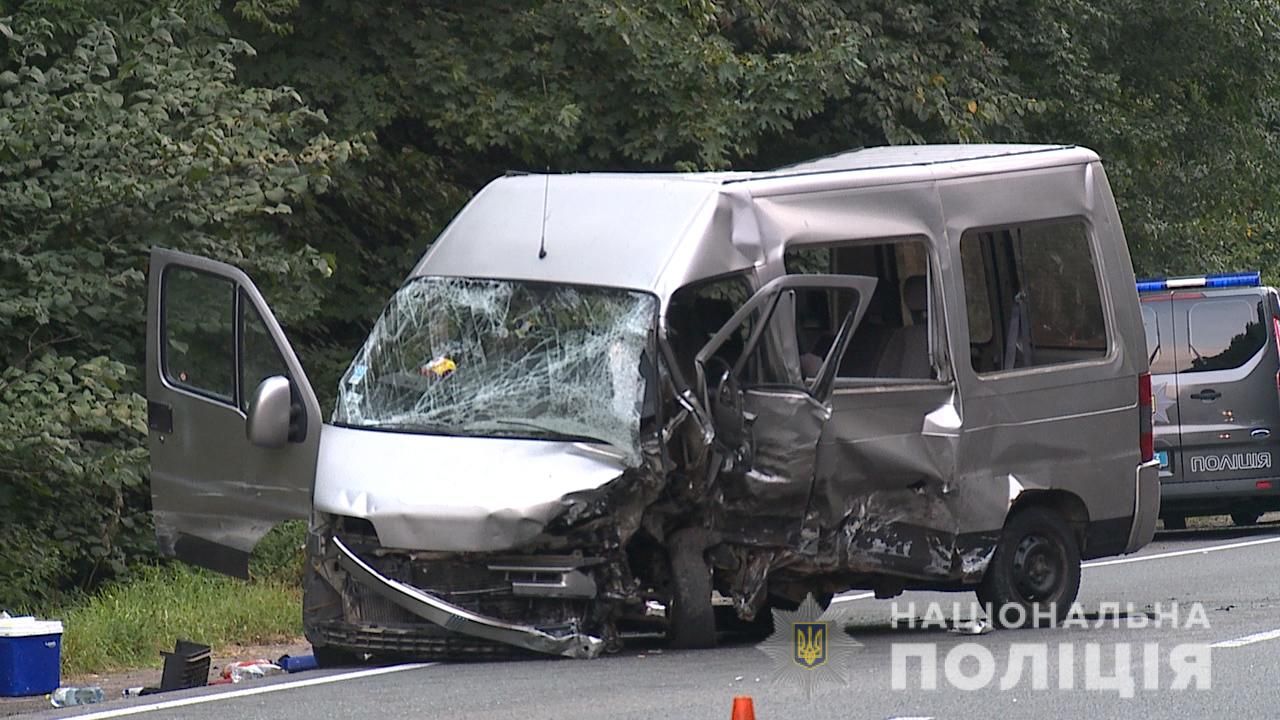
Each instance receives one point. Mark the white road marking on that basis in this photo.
(246, 692)
(1182, 553)
(912, 717)
(1248, 639)
(198, 700)
(849, 598)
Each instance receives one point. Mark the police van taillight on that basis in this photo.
(1146, 418)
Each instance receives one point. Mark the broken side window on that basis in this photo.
(1032, 295)
(893, 339)
(697, 311)
(497, 358)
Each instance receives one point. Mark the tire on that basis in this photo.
(1036, 566)
(329, 656)
(1245, 517)
(1175, 522)
(691, 620)
(728, 622)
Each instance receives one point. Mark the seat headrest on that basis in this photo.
(915, 293)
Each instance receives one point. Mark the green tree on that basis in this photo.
(114, 137)
(457, 93)
(1180, 98)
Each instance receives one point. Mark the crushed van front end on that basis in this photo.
(364, 599)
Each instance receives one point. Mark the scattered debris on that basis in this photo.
(250, 670)
(68, 696)
(975, 626)
(30, 656)
(186, 667)
(298, 663)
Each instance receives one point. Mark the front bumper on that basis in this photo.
(568, 642)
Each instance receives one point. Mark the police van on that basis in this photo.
(1214, 347)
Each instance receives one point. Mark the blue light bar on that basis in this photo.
(1220, 280)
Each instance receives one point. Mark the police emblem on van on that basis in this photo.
(1230, 461)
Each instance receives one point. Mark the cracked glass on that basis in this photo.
(493, 358)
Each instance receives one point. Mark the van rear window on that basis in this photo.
(1223, 333)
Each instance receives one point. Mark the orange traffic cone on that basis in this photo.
(743, 709)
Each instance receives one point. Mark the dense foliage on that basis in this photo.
(115, 136)
(130, 124)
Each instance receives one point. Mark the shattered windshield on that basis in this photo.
(462, 356)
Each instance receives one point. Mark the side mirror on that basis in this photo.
(267, 424)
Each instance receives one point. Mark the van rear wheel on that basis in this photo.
(1245, 517)
(1035, 572)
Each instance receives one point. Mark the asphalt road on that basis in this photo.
(1230, 573)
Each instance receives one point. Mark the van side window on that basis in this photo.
(1223, 333)
(259, 356)
(1032, 296)
(893, 339)
(696, 312)
(198, 350)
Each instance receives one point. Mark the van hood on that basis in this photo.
(454, 494)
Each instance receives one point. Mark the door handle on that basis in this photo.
(1206, 394)
(159, 417)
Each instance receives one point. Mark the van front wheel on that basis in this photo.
(691, 618)
(1035, 572)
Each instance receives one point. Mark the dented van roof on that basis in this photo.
(673, 228)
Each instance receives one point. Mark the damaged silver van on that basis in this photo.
(612, 401)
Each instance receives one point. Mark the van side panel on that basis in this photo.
(883, 496)
(1226, 387)
(1070, 427)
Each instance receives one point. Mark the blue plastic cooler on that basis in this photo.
(30, 656)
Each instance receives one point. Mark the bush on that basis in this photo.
(114, 137)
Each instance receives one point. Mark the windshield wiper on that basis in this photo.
(558, 434)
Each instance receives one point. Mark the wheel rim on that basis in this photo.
(1039, 568)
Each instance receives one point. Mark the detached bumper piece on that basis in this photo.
(456, 619)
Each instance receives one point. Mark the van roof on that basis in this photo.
(657, 231)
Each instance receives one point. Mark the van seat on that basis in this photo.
(906, 354)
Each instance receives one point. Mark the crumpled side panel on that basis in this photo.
(764, 498)
(874, 443)
(887, 506)
(489, 357)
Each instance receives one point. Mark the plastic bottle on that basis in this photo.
(66, 696)
(251, 670)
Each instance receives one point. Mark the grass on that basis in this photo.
(126, 625)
